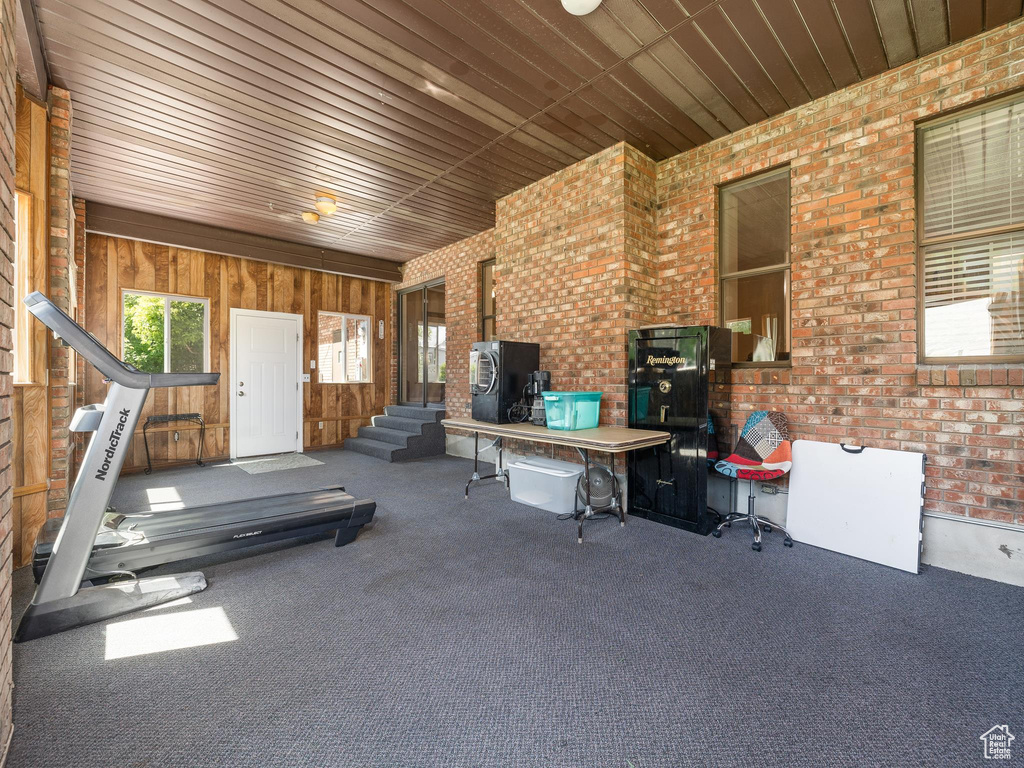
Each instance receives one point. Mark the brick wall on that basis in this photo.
(79, 389)
(854, 372)
(617, 241)
(568, 275)
(61, 252)
(7, 88)
(573, 271)
(459, 265)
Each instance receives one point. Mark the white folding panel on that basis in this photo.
(863, 502)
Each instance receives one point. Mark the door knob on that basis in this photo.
(241, 383)
(242, 394)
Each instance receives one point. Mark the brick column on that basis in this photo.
(78, 391)
(61, 251)
(7, 75)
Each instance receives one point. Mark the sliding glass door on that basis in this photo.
(422, 363)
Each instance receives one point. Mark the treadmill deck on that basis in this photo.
(147, 539)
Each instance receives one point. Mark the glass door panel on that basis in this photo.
(435, 345)
(410, 345)
(422, 354)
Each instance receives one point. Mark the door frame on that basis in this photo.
(421, 288)
(233, 366)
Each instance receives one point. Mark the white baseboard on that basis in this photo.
(975, 547)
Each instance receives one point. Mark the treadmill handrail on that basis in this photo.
(85, 344)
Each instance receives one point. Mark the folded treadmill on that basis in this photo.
(75, 556)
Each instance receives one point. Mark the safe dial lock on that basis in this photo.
(665, 386)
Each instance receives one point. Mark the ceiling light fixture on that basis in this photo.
(580, 7)
(310, 217)
(326, 205)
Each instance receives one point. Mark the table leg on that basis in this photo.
(588, 511)
(145, 441)
(476, 461)
(501, 466)
(618, 497)
(202, 439)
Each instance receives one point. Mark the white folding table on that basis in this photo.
(610, 440)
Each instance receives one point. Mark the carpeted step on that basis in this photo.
(404, 433)
(373, 448)
(384, 435)
(415, 412)
(413, 426)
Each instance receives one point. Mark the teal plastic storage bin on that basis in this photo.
(572, 410)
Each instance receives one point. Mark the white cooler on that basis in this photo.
(545, 483)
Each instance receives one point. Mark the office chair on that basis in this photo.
(763, 452)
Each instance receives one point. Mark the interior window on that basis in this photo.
(164, 333)
(487, 308)
(971, 241)
(754, 266)
(343, 343)
(22, 286)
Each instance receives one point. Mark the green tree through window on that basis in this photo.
(188, 336)
(146, 323)
(144, 332)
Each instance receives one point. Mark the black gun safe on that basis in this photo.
(678, 379)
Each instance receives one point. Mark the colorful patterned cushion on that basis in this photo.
(764, 451)
(712, 443)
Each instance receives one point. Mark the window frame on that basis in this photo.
(23, 341)
(484, 317)
(168, 298)
(344, 338)
(785, 266)
(923, 243)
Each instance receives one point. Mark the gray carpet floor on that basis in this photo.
(478, 633)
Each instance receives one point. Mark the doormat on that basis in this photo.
(260, 464)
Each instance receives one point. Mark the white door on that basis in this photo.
(265, 388)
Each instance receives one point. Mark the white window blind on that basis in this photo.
(972, 233)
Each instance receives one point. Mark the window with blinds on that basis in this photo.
(971, 200)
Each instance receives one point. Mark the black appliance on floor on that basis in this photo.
(678, 379)
(499, 372)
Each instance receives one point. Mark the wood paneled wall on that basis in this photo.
(116, 264)
(30, 441)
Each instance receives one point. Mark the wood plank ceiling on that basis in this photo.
(418, 115)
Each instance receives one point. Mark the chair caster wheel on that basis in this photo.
(767, 529)
(788, 542)
(756, 546)
(717, 534)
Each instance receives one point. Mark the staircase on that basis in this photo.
(403, 433)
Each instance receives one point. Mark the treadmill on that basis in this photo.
(92, 543)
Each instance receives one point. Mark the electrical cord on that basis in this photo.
(521, 412)
(595, 516)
